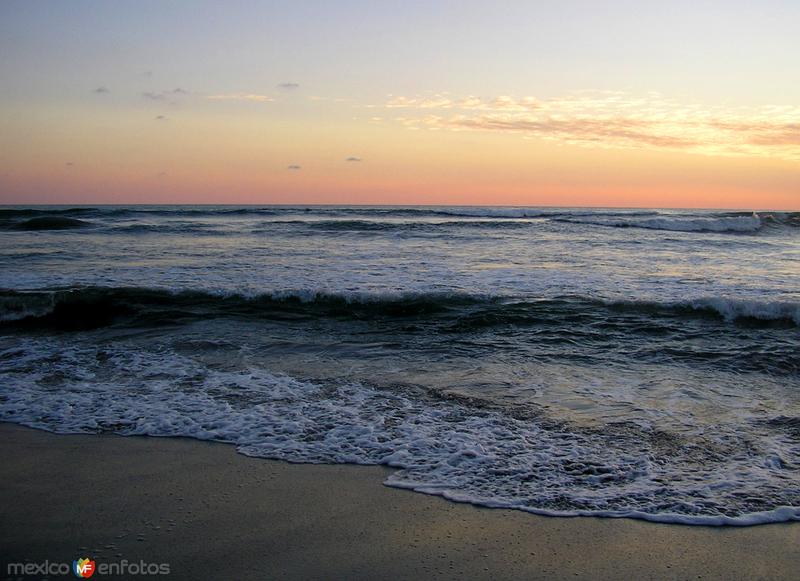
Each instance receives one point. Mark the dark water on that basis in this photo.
(637, 363)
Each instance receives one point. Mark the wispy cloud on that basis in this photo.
(319, 98)
(607, 119)
(241, 97)
(162, 95)
(469, 103)
(765, 133)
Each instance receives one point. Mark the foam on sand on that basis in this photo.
(459, 449)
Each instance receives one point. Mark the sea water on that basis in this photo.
(639, 363)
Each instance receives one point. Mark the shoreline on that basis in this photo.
(211, 512)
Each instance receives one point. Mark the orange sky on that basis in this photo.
(119, 115)
(207, 156)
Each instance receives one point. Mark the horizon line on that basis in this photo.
(432, 205)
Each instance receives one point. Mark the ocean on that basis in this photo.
(621, 363)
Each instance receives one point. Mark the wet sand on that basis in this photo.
(211, 513)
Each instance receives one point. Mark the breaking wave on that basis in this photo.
(462, 449)
(97, 306)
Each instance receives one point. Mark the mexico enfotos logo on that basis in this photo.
(84, 567)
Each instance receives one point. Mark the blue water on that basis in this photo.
(641, 363)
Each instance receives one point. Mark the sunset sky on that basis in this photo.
(570, 103)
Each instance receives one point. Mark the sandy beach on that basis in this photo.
(211, 513)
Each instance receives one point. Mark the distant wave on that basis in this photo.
(653, 219)
(126, 211)
(168, 228)
(50, 223)
(6, 213)
(782, 219)
(338, 211)
(89, 307)
(742, 224)
(375, 219)
(383, 226)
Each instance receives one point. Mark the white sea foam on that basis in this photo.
(732, 309)
(439, 446)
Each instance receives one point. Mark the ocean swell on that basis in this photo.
(91, 307)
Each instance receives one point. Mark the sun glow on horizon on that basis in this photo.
(247, 111)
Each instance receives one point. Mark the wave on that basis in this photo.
(92, 307)
(497, 212)
(381, 211)
(458, 448)
(6, 213)
(405, 226)
(782, 219)
(50, 223)
(167, 228)
(363, 219)
(740, 224)
(737, 309)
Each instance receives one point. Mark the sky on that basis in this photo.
(570, 103)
